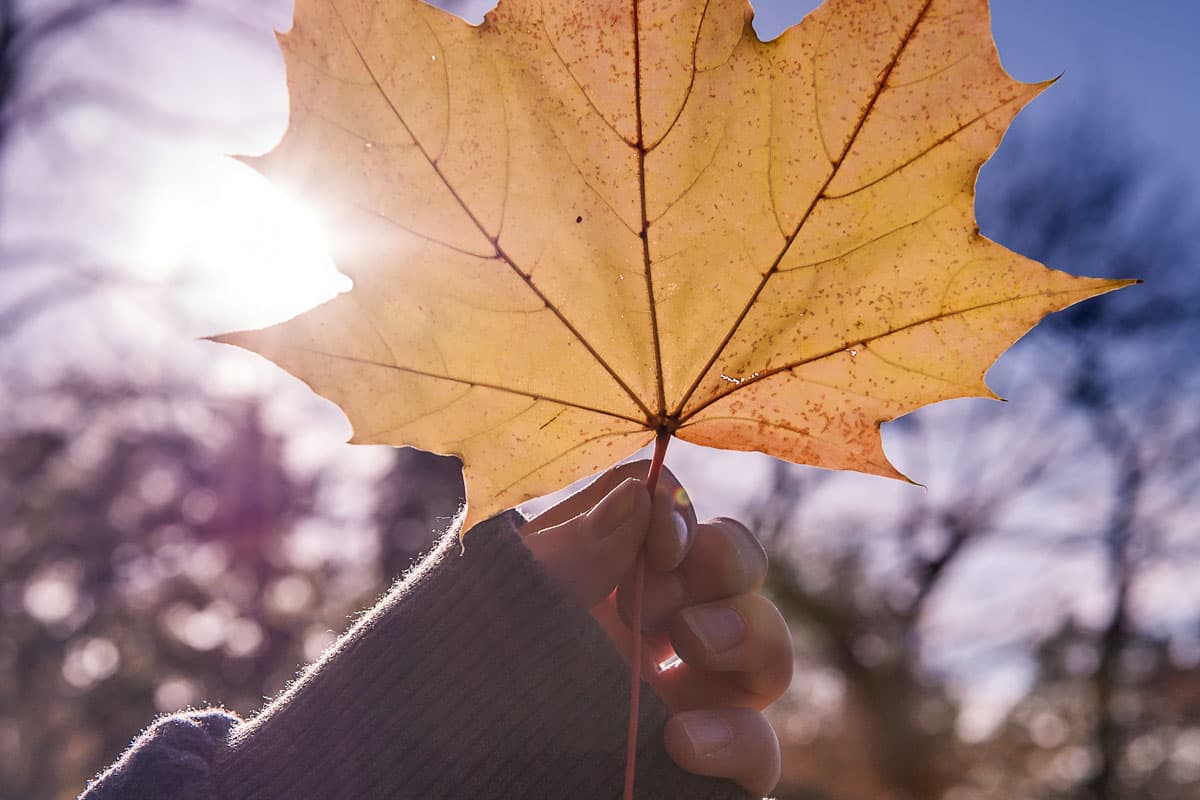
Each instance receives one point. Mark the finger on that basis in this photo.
(669, 546)
(745, 640)
(587, 497)
(733, 743)
(723, 560)
(589, 553)
(674, 518)
(672, 524)
(726, 560)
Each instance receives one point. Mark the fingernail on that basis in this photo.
(751, 559)
(616, 507)
(718, 627)
(707, 733)
(681, 530)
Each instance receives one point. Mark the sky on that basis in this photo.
(1138, 60)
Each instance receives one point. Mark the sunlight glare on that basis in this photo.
(238, 251)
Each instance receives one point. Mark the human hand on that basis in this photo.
(700, 601)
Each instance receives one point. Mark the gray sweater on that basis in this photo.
(474, 677)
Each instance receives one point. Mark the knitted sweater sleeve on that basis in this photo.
(474, 677)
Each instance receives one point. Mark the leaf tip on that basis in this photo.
(988, 393)
(1041, 86)
(905, 479)
(253, 162)
(1113, 284)
(891, 472)
(233, 339)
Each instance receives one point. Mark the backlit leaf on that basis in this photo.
(586, 222)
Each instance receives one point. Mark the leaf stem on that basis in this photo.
(635, 659)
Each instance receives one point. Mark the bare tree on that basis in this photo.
(1098, 460)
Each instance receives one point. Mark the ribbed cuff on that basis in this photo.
(475, 677)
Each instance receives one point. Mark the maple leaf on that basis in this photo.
(584, 224)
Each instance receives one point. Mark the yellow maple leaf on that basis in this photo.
(583, 224)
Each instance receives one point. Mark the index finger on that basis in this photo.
(672, 520)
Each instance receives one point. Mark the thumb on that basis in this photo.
(589, 554)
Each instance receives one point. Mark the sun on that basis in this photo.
(235, 250)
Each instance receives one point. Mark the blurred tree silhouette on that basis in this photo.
(144, 569)
(156, 552)
(1096, 467)
(157, 547)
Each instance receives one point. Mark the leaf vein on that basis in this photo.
(588, 183)
(695, 179)
(879, 88)
(931, 75)
(981, 116)
(645, 232)
(497, 425)
(482, 230)
(833, 351)
(423, 236)
(586, 96)
(376, 434)
(469, 382)
(564, 453)
(836, 444)
(867, 243)
(779, 225)
(687, 93)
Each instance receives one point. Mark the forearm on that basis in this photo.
(474, 677)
